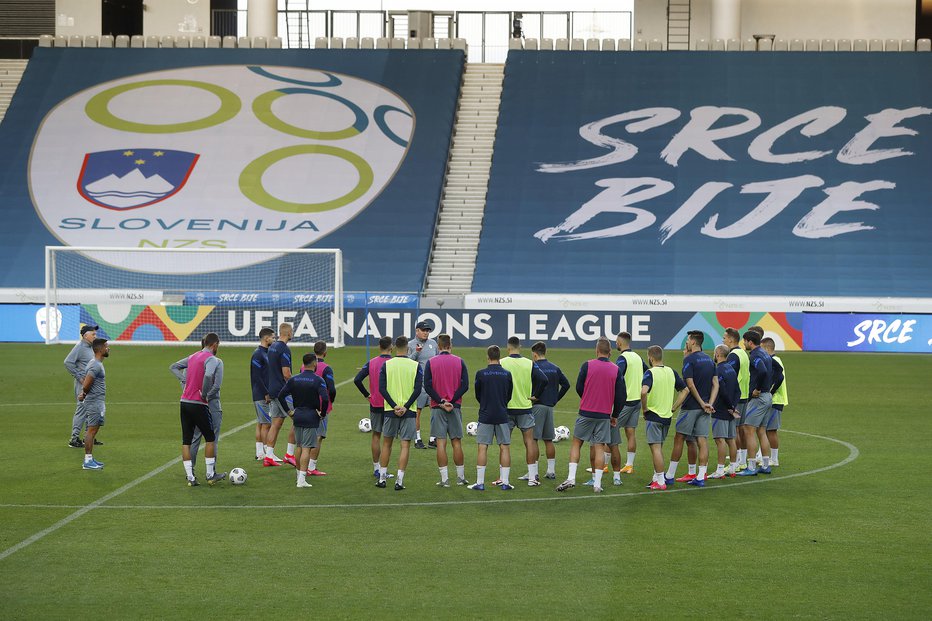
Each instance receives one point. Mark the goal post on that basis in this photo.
(176, 295)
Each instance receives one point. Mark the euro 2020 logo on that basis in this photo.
(226, 156)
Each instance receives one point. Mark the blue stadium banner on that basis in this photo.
(27, 323)
(260, 299)
(273, 149)
(706, 173)
(867, 332)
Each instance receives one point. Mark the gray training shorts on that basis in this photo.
(262, 412)
(773, 419)
(521, 421)
(305, 437)
(94, 413)
(758, 408)
(423, 400)
(543, 422)
(501, 433)
(725, 429)
(629, 415)
(403, 428)
(657, 432)
(445, 424)
(594, 430)
(693, 423)
(275, 408)
(377, 418)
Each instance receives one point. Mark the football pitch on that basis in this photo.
(839, 530)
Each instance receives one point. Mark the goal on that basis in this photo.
(176, 295)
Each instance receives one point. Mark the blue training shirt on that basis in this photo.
(761, 368)
(557, 383)
(279, 358)
(729, 393)
(309, 395)
(493, 386)
(701, 368)
(259, 373)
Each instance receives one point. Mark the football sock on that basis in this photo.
(505, 471)
(480, 475)
(269, 450)
(551, 466)
(418, 439)
(759, 457)
(210, 461)
(302, 476)
(383, 473)
(88, 458)
(773, 454)
(312, 465)
(731, 468)
(461, 472)
(572, 473)
(260, 449)
(401, 477)
(692, 468)
(765, 461)
(616, 475)
(751, 464)
(597, 475)
(375, 466)
(630, 461)
(658, 478)
(606, 458)
(720, 469)
(432, 439)
(290, 449)
(444, 474)
(189, 469)
(532, 471)
(671, 471)
(702, 472)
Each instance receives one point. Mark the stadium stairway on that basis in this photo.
(11, 72)
(456, 240)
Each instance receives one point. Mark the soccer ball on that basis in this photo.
(472, 428)
(237, 476)
(365, 425)
(562, 432)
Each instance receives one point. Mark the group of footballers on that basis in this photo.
(738, 395)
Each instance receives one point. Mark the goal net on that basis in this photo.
(177, 295)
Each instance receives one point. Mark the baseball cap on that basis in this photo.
(423, 325)
(89, 327)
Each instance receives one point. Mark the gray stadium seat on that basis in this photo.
(414, 43)
(924, 45)
(91, 41)
(813, 45)
(875, 45)
(428, 43)
(214, 41)
(183, 41)
(718, 45)
(75, 41)
(561, 45)
(828, 45)
(122, 41)
(244, 42)
(577, 45)
(46, 40)
(352, 43)
(640, 45)
(546, 44)
(593, 45)
(780, 45)
(460, 44)
(514, 44)
(765, 45)
(320, 43)
(61, 41)
(167, 41)
(844, 45)
(797, 45)
(733, 45)
(275, 43)
(106, 41)
(859, 45)
(891, 45)
(383, 43)
(749, 45)
(367, 43)
(655, 45)
(229, 42)
(397, 43)
(608, 45)
(531, 44)
(336, 43)
(137, 41)
(152, 41)
(701, 45)
(199, 41)
(908, 45)
(624, 45)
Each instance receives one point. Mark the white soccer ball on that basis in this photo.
(562, 432)
(365, 425)
(237, 476)
(472, 428)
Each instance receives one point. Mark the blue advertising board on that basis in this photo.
(272, 149)
(708, 173)
(867, 332)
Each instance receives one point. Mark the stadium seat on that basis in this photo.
(75, 41)
(414, 43)
(561, 45)
(655, 45)
(336, 43)
(352, 43)
(828, 45)
(61, 41)
(106, 41)
(640, 45)
(320, 43)
(924, 45)
(908, 45)
(891, 45)
(593, 45)
(749, 45)
(397, 43)
(624, 45)
(382, 43)
(167, 41)
(608, 45)
(199, 41)
(245, 42)
(91, 41)
(765, 45)
(260, 43)
(718, 45)
(531, 44)
(844, 45)
(367, 43)
(122, 41)
(275, 43)
(152, 41)
(137, 41)
(214, 41)
(428, 43)
(701, 45)
(460, 44)
(875, 45)
(577, 45)
(797, 45)
(183, 41)
(546, 45)
(780, 45)
(813, 45)
(733, 45)
(46, 40)
(860, 45)
(229, 42)
(514, 44)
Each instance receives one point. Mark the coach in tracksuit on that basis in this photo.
(75, 364)
(311, 400)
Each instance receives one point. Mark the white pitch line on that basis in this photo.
(853, 453)
(100, 501)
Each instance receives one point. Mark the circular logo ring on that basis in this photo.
(250, 180)
(262, 108)
(97, 108)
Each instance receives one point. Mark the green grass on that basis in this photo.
(846, 542)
